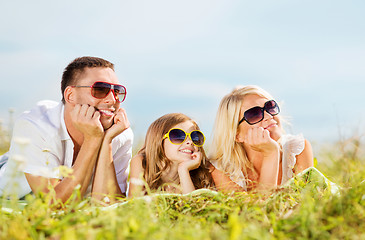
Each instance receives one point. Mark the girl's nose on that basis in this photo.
(188, 140)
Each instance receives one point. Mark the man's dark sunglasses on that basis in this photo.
(102, 89)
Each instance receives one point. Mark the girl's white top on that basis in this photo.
(292, 145)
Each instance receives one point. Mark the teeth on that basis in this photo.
(106, 112)
(186, 151)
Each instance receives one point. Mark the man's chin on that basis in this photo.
(107, 124)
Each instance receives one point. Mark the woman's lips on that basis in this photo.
(270, 126)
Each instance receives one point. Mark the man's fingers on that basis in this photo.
(121, 117)
(83, 110)
(96, 115)
(75, 111)
(86, 119)
(89, 111)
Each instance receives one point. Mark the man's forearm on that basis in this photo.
(83, 168)
(105, 180)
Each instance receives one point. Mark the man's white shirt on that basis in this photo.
(41, 144)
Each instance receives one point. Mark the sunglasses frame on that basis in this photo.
(167, 135)
(112, 87)
(262, 112)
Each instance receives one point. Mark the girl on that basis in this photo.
(249, 149)
(172, 156)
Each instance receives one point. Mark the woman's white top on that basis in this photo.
(292, 145)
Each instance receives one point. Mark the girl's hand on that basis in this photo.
(184, 169)
(194, 163)
(259, 140)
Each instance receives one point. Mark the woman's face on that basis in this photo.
(269, 122)
(178, 153)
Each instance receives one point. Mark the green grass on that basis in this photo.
(305, 210)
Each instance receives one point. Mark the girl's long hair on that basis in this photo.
(228, 154)
(155, 161)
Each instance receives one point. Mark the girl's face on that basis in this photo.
(184, 151)
(271, 123)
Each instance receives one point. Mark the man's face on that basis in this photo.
(106, 106)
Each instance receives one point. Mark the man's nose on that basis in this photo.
(111, 96)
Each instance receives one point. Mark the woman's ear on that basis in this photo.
(70, 95)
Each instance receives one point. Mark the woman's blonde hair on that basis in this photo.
(228, 154)
(155, 161)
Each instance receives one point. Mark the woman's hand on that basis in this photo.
(258, 139)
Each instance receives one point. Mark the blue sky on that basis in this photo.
(184, 56)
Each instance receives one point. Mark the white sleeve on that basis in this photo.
(33, 151)
(122, 154)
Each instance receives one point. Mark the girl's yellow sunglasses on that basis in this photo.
(178, 136)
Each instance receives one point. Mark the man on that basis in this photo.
(87, 132)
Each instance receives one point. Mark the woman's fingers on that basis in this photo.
(259, 139)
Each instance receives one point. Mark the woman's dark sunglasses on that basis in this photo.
(256, 114)
(102, 89)
(178, 136)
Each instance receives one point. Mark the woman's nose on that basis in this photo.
(267, 115)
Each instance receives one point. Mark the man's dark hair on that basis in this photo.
(75, 69)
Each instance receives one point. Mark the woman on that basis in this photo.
(249, 148)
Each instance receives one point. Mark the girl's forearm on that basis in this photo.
(186, 183)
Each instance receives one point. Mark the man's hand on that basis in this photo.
(105, 180)
(87, 120)
(121, 123)
(259, 140)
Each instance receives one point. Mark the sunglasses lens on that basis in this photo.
(272, 108)
(100, 89)
(119, 92)
(197, 137)
(177, 136)
(254, 115)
